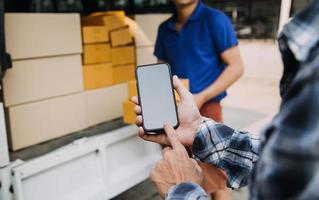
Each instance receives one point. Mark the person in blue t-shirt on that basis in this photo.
(199, 43)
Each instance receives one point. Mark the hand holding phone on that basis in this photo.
(188, 114)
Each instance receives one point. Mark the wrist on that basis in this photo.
(197, 124)
(202, 122)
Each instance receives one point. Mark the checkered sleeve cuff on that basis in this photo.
(187, 191)
(234, 152)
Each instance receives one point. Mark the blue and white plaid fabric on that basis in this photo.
(303, 32)
(188, 190)
(219, 145)
(288, 164)
(222, 146)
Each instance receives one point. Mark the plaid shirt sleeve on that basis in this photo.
(187, 191)
(219, 145)
(233, 151)
(288, 166)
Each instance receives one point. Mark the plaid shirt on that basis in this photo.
(288, 164)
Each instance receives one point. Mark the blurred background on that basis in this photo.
(251, 18)
(67, 71)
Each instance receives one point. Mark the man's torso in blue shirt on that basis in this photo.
(195, 51)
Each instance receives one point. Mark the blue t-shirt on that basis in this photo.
(194, 52)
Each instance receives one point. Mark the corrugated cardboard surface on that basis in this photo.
(123, 73)
(36, 79)
(105, 104)
(31, 35)
(109, 21)
(114, 21)
(119, 13)
(149, 23)
(132, 90)
(96, 53)
(123, 55)
(121, 37)
(37, 122)
(144, 55)
(140, 37)
(95, 34)
(129, 116)
(186, 85)
(97, 75)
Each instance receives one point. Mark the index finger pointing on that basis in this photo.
(173, 140)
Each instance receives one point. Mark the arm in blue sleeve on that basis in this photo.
(222, 32)
(159, 50)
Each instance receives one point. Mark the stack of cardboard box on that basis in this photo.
(109, 62)
(47, 92)
(43, 92)
(129, 116)
(116, 50)
(97, 66)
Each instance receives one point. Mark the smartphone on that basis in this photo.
(156, 97)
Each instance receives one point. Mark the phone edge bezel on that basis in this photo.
(140, 102)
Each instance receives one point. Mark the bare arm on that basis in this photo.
(233, 71)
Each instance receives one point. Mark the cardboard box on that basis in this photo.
(41, 121)
(37, 79)
(186, 84)
(118, 13)
(109, 21)
(144, 55)
(123, 73)
(105, 104)
(132, 90)
(97, 75)
(123, 55)
(120, 37)
(96, 53)
(129, 116)
(140, 37)
(149, 23)
(32, 35)
(93, 21)
(95, 34)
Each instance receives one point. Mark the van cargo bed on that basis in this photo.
(46, 147)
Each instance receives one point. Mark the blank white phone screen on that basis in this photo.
(156, 96)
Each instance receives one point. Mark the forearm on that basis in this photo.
(234, 152)
(230, 75)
